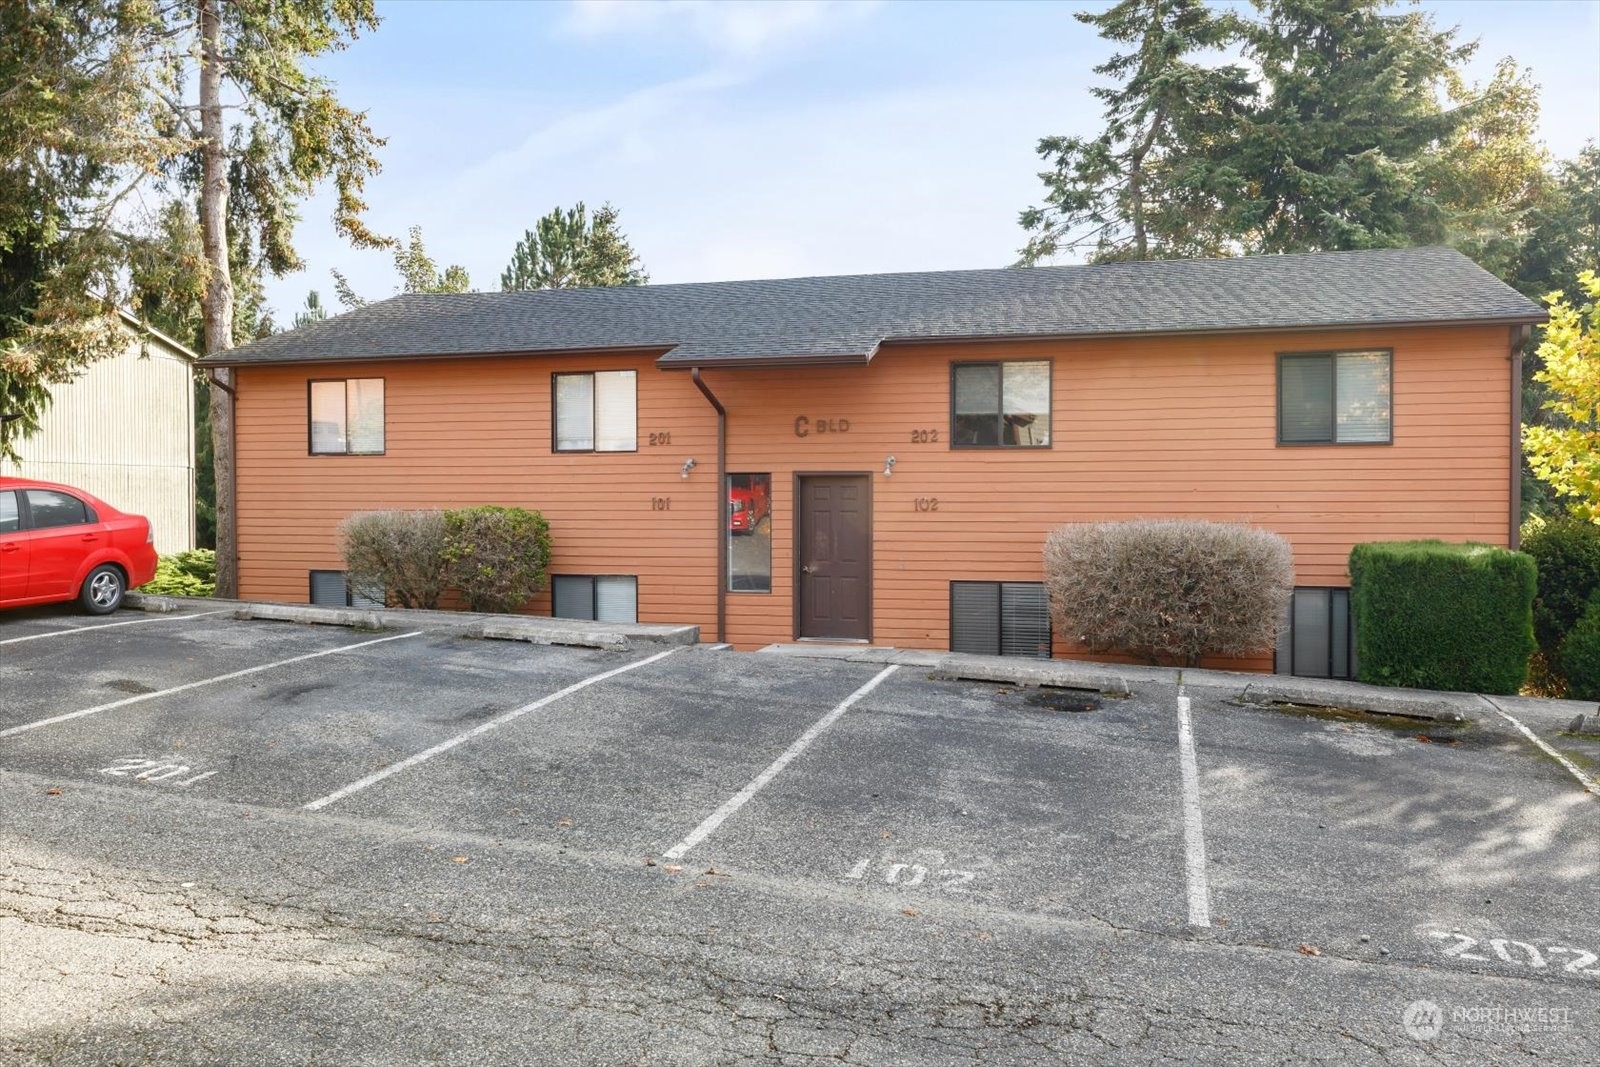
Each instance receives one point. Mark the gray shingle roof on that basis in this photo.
(846, 318)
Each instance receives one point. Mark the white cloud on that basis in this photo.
(736, 27)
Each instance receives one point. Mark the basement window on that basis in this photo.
(346, 417)
(1335, 398)
(595, 412)
(1317, 640)
(1000, 619)
(1000, 405)
(595, 597)
(330, 589)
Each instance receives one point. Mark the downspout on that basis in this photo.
(721, 503)
(1519, 339)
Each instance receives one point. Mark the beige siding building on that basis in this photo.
(124, 432)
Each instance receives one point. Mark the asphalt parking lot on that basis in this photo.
(248, 841)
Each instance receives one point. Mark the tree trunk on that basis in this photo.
(217, 300)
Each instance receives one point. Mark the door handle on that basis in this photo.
(808, 569)
(91, 537)
(10, 548)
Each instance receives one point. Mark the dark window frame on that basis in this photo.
(594, 414)
(311, 579)
(1333, 355)
(998, 583)
(727, 579)
(594, 596)
(311, 449)
(1349, 637)
(25, 509)
(1050, 402)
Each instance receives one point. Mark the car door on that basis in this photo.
(15, 549)
(63, 531)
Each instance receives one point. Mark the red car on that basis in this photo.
(59, 543)
(748, 502)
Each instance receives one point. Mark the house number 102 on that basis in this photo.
(926, 503)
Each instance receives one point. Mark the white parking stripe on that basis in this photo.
(1194, 837)
(25, 727)
(108, 625)
(759, 782)
(482, 728)
(1589, 784)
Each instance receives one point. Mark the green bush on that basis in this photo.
(395, 556)
(192, 573)
(1432, 615)
(1580, 654)
(1168, 589)
(496, 557)
(1567, 551)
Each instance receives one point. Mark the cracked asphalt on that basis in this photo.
(945, 872)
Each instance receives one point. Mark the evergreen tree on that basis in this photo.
(568, 249)
(1146, 187)
(312, 312)
(1338, 154)
(418, 274)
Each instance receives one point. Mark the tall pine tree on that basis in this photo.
(568, 249)
(1147, 186)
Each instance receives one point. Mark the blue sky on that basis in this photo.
(767, 139)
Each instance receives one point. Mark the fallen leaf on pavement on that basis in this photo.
(648, 862)
(702, 885)
(563, 822)
(913, 912)
(458, 859)
(716, 873)
(53, 791)
(435, 917)
(1310, 950)
(1425, 737)
(673, 868)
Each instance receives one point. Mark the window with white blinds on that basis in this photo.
(1335, 398)
(346, 417)
(1000, 619)
(595, 597)
(596, 412)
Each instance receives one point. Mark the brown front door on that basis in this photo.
(833, 556)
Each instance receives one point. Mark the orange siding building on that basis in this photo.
(1167, 425)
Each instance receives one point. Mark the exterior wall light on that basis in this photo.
(688, 465)
(888, 466)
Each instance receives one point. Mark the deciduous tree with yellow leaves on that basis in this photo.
(1567, 456)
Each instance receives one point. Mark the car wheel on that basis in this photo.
(102, 590)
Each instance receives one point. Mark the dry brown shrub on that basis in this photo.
(1168, 590)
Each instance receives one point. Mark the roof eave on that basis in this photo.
(222, 360)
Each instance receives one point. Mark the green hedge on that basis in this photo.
(1567, 550)
(1580, 654)
(1432, 615)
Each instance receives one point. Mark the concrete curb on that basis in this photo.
(1120, 680)
(536, 630)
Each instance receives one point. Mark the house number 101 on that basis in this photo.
(661, 503)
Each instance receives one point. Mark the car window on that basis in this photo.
(10, 521)
(49, 508)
